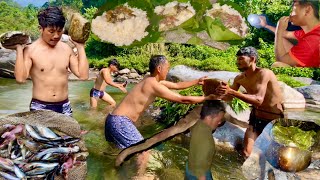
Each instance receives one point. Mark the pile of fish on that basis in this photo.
(37, 152)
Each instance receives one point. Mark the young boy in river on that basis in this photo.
(104, 79)
(202, 146)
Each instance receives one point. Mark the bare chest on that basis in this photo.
(50, 62)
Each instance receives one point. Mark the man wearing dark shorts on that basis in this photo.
(263, 92)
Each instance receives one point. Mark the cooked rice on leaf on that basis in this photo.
(121, 26)
(174, 14)
(230, 18)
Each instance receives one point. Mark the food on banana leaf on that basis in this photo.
(121, 26)
(293, 136)
(174, 14)
(229, 17)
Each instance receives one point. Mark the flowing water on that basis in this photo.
(171, 155)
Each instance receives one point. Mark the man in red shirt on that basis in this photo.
(305, 13)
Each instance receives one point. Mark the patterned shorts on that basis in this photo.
(121, 131)
(96, 93)
(63, 107)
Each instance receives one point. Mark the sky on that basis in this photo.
(37, 3)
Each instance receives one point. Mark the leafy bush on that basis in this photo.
(290, 81)
(294, 71)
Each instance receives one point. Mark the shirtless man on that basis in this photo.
(119, 127)
(47, 61)
(263, 92)
(305, 13)
(103, 79)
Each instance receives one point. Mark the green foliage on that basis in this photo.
(238, 105)
(294, 71)
(90, 12)
(15, 18)
(172, 111)
(290, 81)
(316, 74)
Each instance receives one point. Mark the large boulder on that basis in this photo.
(7, 62)
(185, 73)
(311, 92)
(292, 98)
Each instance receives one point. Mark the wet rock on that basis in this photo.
(311, 92)
(309, 174)
(7, 62)
(124, 71)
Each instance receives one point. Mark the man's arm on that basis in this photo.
(107, 77)
(261, 89)
(79, 65)
(163, 92)
(23, 64)
(183, 85)
(282, 54)
(235, 86)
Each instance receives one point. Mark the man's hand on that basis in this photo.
(223, 89)
(76, 43)
(122, 88)
(16, 47)
(201, 80)
(263, 21)
(282, 24)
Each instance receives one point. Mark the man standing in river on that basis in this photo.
(119, 127)
(47, 61)
(263, 92)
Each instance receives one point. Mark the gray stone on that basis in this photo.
(292, 98)
(133, 75)
(133, 71)
(7, 62)
(124, 71)
(184, 73)
(310, 92)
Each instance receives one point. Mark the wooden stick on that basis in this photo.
(183, 125)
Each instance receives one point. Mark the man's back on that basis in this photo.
(49, 70)
(138, 99)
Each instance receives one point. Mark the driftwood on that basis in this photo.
(183, 125)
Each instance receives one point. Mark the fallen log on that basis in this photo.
(183, 125)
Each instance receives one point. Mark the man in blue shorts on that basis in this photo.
(120, 128)
(100, 84)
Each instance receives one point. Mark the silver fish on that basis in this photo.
(8, 176)
(34, 134)
(19, 173)
(40, 165)
(64, 150)
(40, 170)
(45, 132)
(6, 164)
